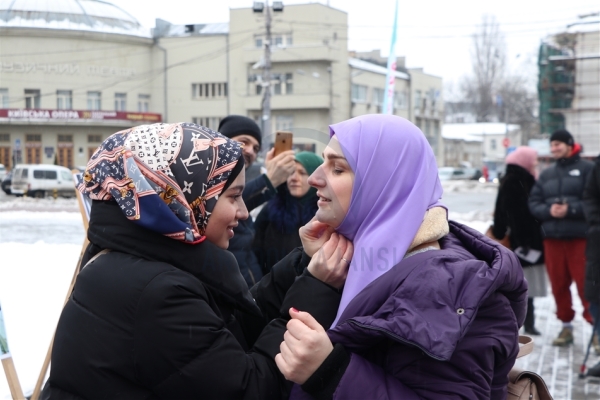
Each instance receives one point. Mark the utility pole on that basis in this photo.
(266, 101)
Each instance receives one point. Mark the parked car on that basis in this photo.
(451, 174)
(6, 183)
(473, 173)
(41, 180)
(2, 171)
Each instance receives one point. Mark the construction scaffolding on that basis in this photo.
(556, 87)
(569, 83)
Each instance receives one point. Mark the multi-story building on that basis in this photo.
(569, 85)
(72, 73)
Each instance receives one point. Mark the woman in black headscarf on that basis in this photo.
(165, 313)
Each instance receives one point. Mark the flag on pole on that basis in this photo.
(390, 79)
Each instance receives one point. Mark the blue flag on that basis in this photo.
(390, 79)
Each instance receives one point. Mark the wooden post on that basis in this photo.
(13, 381)
(85, 218)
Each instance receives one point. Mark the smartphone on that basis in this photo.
(283, 142)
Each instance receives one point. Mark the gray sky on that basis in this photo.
(432, 34)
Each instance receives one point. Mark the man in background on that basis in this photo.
(257, 191)
(556, 201)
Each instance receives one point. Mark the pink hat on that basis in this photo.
(524, 157)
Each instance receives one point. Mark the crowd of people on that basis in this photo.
(553, 224)
(350, 283)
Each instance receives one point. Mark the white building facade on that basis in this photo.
(72, 73)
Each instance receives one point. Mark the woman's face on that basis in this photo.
(230, 208)
(297, 182)
(333, 180)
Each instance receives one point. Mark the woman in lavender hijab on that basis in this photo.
(430, 308)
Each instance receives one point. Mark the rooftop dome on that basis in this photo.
(81, 15)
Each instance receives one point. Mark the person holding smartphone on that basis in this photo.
(258, 190)
(278, 222)
(556, 201)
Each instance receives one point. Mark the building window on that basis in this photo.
(209, 122)
(120, 101)
(378, 95)
(65, 138)
(282, 84)
(418, 99)
(493, 144)
(64, 100)
(284, 122)
(4, 98)
(93, 101)
(94, 138)
(209, 90)
(4, 137)
(359, 93)
(143, 102)
(278, 39)
(32, 98)
(401, 100)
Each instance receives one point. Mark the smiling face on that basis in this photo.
(250, 148)
(297, 182)
(230, 208)
(559, 149)
(333, 180)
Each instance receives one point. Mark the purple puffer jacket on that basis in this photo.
(442, 324)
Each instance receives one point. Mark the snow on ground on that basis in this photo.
(40, 244)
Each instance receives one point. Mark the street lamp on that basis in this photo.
(258, 7)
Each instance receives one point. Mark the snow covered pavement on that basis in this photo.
(40, 243)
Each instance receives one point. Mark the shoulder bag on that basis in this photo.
(526, 385)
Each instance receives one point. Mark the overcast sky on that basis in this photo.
(433, 34)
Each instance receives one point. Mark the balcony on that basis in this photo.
(309, 52)
(290, 102)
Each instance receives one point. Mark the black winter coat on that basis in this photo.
(256, 192)
(513, 213)
(161, 319)
(591, 205)
(563, 180)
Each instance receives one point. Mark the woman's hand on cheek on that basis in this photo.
(304, 348)
(330, 264)
(314, 235)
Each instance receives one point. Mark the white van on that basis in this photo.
(41, 180)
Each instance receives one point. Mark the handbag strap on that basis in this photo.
(525, 345)
(102, 252)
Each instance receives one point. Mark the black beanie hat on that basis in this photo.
(562, 135)
(235, 125)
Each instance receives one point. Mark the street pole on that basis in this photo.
(266, 101)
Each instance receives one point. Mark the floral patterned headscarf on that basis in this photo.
(165, 177)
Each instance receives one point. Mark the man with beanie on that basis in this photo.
(556, 201)
(257, 191)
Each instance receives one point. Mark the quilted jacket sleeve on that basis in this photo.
(537, 202)
(183, 349)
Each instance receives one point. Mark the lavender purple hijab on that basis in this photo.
(396, 182)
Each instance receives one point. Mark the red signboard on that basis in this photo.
(505, 142)
(21, 114)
